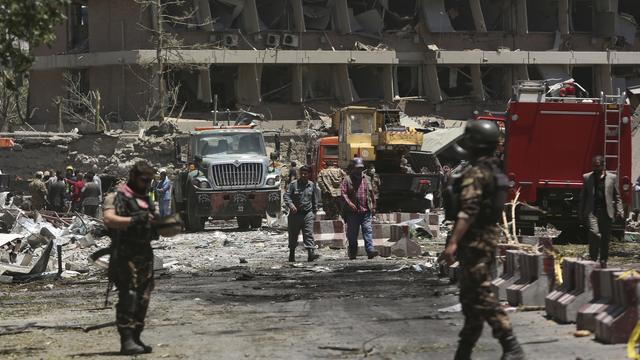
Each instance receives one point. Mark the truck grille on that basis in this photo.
(229, 175)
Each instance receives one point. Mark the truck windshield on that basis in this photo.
(231, 143)
(361, 123)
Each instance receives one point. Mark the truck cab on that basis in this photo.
(233, 178)
(326, 151)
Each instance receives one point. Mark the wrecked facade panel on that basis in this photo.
(326, 26)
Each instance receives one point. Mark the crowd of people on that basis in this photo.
(83, 192)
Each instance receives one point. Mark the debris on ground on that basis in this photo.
(30, 247)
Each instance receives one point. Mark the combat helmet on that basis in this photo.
(480, 136)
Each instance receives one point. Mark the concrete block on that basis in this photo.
(406, 248)
(568, 284)
(569, 304)
(534, 283)
(602, 283)
(328, 233)
(615, 323)
(510, 274)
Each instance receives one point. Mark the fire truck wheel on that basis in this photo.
(256, 222)
(244, 222)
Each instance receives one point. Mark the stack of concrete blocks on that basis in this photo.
(328, 233)
(576, 290)
(536, 278)
(510, 274)
(602, 284)
(615, 323)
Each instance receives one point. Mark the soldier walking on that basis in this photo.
(481, 190)
(329, 181)
(301, 200)
(130, 215)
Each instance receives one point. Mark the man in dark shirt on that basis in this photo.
(600, 205)
(301, 200)
(90, 196)
(57, 190)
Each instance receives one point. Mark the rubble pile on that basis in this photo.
(30, 247)
(157, 150)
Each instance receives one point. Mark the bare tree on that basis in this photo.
(166, 15)
(13, 104)
(80, 105)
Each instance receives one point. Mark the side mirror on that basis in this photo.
(198, 159)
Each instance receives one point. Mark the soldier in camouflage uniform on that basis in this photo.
(329, 181)
(129, 215)
(474, 241)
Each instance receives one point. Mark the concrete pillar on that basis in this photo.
(604, 81)
(387, 83)
(431, 84)
(341, 17)
(248, 84)
(520, 17)
(298, 16)
(249, 17)
(203, 14)
(478, 16)
(297, 95)
(476, 79)
(564, 18)
(204, 85)
(342, 83)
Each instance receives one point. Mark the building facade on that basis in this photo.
(284, 57)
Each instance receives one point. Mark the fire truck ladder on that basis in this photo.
(612, 106)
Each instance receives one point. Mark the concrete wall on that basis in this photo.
(45, 86)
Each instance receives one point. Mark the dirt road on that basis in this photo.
(211, 306)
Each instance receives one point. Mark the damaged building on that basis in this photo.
(442, 57)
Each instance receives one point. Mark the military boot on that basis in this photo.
(136, 337)
(292, 255)
(128, 345)
(312, 255)
(511, 349)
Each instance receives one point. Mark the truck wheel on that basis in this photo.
(256, 222)
(244, 222)
(194, 223)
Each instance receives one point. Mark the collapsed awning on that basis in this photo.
(439, 140)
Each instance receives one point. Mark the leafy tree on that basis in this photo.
(25, 24)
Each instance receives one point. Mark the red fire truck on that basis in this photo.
(549, 144)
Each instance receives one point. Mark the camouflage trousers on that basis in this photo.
(479, 303)
(331, 206)
(134, 281)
